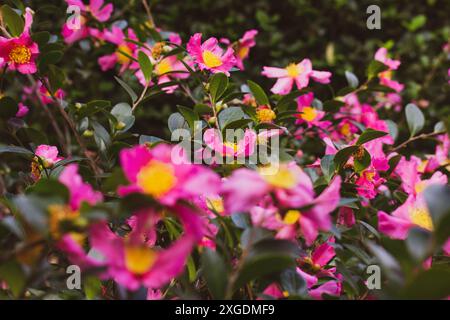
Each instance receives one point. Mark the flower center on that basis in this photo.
(292, 70)
(420, 186)
(265, 115)
(163, 67)
(210, 59)
(278, 177)
(156, 178)
(421, 217)
(345, 129)
(243, 52)
(139, 259)
(215, 205)
(121, 57)
(231, 145)
(57, 214)
(292, 216)
(20, 54)
(308, 114)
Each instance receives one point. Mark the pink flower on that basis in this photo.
(48, 154)
(43, 94)
(123, 51)
(310, 115)
(243, 47)
(152, 172)
(382, 56)
(133, 261)
(98, 11)
(245, 147)
(22, 111)
(20, 53)
(385, 77)
(292, 188)
(346, 217)
(209, 55)
(368, 183)
(298, 73)
(79, 191)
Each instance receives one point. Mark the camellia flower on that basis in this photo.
(292, 188)
(43, 94)
(20, 53)
(46, 157)
(133, 261)
(117, 37)
(245, 147)
(299, 73)
(386, 76)
(152, 172)
(243, 45)
(98, 11)
(22, 111)
(210, 55)
(310, 115)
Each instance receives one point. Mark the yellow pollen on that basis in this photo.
(345, 129)
(156, 178)
(232, 145)
(285, 294)
(292, 216)
(121, 58)
(420, 186)
(215, 205)
(421, 217)
(265, 115)
(386, 74)
(210, 59)
(369, 175)
(57, 214)
(278, 177)
(20, 54)
(243, 52)
(292, 70)
(139, 259)
(163, 67)
(308, 114)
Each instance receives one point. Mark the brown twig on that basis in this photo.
(420, 136)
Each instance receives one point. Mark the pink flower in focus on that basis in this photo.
(299, 73)
(48, 154)
(209, 55)
(310, 115)
(20, 53)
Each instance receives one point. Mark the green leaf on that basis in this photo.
(17, 150)
(416, 23)
(149, 140)
(238, 124)
(293, 283)
(327, 166)
(430, 284)
(189, 115)
(145, 65)
(12, 273)
(341, 157)
(127, 88)
(369, 135)
(436, 198)
(177, 121)
(266, 257)
(49, 58)
(92, 287)
(41, 38)
(259, 94)
(374, 68)
(13, 21)
(56, 77)
(215, 273)
(229, 115)
(217, 86)
(8, 107)
(352, 79)
(419, 243)
(414, 118)
(124, 115)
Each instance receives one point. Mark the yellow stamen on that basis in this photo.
(293, 70)
(421, 217)
(232, 145)
(57, 214)
(139, 259)
(292, 216)
(278, 177)
(156, 178)
(210, 59)
(345, 129)
(265, 115)
(121, 57)
(243, 52)
(20, 54)
(163, 67)
(215, 205)
(308, 114)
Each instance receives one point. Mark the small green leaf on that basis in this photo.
(145, 65)
(215, 273)
(374, 68)
(352, 79)
(8, 107)
(217, 86)
(414, 118)
(369, 135)
(128, 89)
(13, 21)
(341, 157)
(189, 115)
(259, 94)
